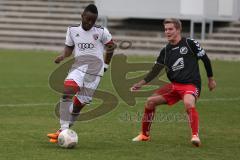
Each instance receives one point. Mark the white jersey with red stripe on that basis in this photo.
(88, 48)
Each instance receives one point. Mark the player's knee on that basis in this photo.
(188, 105)
(150, 104)
(189, 101)
(70, 87)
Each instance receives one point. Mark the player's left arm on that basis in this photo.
(109, 48)
(201, 54)
(208, 67)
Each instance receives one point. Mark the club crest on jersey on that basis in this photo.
(95, 36)
(183, 50)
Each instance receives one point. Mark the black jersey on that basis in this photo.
(181, 61)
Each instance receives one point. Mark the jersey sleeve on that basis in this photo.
(69, 41)
(156, 69)
(106, 37)
(196, 48)
(201, 54)
(160, 59)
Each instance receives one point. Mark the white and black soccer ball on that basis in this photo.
(68, 138)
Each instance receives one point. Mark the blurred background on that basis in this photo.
(41, 24)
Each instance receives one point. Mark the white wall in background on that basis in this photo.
(225, 7)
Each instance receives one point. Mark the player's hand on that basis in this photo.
(137, 86)
(211, 83)
(59, 59)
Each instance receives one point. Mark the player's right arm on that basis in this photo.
(68, 49)
(66, 53)
(156, 69)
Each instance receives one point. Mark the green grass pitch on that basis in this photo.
(27, 115)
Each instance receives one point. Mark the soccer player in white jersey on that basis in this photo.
(87, 42)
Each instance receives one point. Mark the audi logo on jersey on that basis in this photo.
(83, 46)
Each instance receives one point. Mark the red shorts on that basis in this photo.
(174, 92)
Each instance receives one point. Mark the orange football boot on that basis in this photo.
(141, 137)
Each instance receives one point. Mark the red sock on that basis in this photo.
(147, 121)
(193, 120)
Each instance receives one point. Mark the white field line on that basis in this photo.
(210, 99)
(46, 104)
(220, 99)
(23, 86)
(26, 104)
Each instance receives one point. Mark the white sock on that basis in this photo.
(73, 116)
(65, 115)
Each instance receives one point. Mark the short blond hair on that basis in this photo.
(176, 22)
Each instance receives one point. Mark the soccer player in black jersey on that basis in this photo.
(180, 60)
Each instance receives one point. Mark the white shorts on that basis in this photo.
(86, 82)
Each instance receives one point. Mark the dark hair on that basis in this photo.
(91, 8)
(177, 23)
